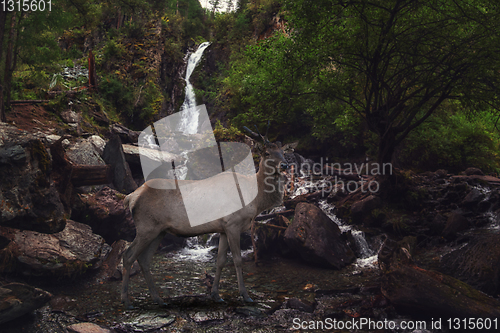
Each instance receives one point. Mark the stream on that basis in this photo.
(180, 276)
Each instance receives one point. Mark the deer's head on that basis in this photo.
(272, 154)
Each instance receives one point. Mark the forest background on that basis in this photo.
(410, 82)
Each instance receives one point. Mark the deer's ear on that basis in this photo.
(289, 147)
(278, 143)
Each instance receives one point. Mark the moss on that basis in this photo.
(230, 133)
(39, 153)
(75, 268)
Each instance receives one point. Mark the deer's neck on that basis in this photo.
(270, 182)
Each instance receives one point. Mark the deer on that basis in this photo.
(157, 210)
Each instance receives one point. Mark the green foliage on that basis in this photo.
(118, 94)
(113, 50)
(231, 133)
(30, 83)
(388, 64)
(453, 142)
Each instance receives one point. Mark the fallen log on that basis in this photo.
(272, 226)
(29, 101)
(309, 197)
(84, 175)
(268, 216)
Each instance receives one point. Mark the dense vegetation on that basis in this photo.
(402, 80)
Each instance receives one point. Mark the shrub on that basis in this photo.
(453, 142)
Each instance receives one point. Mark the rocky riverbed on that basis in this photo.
(63, 237)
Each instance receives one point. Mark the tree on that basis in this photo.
(28, 37)
(392, 62)
(215, 4)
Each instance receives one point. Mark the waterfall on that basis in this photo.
(189, 121)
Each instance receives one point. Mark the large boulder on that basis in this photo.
(28, 197)
(126, 135)
(69, 252)
(84, 152)
(420, 292)
(135, 156)
(477, 263)
(113, 155)
(105, 213)
(17, 299)
(317, 238)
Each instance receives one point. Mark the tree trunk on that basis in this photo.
(92, 72)
(3, 19)
(386, 147)
(10, 63)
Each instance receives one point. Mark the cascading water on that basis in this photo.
(189, 121)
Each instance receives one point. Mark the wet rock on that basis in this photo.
(472, 198)
(148, 322)
(105, 213)
(113, 155)
(62, 303)
(87, 328)
(456, 222)
(249, 311)
(84, 152)
(205, 316)
(474, 171)
(477, 263)
(284, 317)
(28, 197)
(419, 292)
(361, 210)
(17, 299)
(416, 291)
(126, 135)
(69, 252)
(295, 303)
(317, 238)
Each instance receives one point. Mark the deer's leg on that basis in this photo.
(144, 260)
(254, 244)
(221, 261)
(234, 243)
(140, 243)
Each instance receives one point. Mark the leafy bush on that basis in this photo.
(230, 133)
(453, 142)
(118, 95)
(113, 50)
